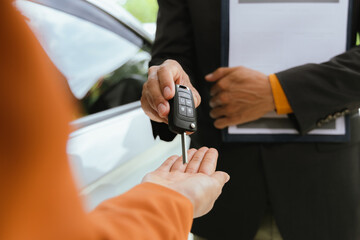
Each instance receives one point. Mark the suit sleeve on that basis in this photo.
(173, 40)
(39, 199)
(318, 93)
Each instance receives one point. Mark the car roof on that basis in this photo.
(97, 13)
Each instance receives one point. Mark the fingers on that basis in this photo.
(222, 123)
(178, 165)
(152, 100)
(223, 84)
(217, 74)
(196, 96)
(168, 73)
(220, 76)
(201, 161)
(149, 111)
(171, 72)
(166, 166)
(155, 97)
(221, 98)
(221, 177)
(196, 160)
(160, 87)
(208, 164)
(226, 110)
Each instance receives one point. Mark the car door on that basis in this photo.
(104, 59)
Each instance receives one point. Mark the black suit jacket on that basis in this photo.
(189, 32)
(313, 188)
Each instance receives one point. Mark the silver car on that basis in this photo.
(103, 52)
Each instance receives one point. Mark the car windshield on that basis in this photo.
(84, 52)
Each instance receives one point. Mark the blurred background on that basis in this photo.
(144, 10)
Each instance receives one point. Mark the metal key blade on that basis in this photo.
(183, 147)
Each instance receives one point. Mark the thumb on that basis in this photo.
(221, 177)
(217, 74)
(196, 96)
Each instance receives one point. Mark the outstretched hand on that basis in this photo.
(197, 180)
(160, 88)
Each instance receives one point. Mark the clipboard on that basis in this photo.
(275, 128)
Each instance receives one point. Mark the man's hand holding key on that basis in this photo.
(169, 97)
(182, 116)
(201, 183)
(160, 88)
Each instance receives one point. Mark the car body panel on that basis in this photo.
(113, 154)
(109, 151)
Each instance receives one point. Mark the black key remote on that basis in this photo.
(182, 116)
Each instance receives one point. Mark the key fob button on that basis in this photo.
(185, 95)
(182, 110)
(188, 103)
(183, 102)
(189, 112)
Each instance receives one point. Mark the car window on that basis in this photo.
(88, 54)
(120, 87)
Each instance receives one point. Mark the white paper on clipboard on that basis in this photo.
(274, 35)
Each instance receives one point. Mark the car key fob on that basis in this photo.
(182, 116)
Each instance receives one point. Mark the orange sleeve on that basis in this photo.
(39, 199)
(281, 102)
(148, 211)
